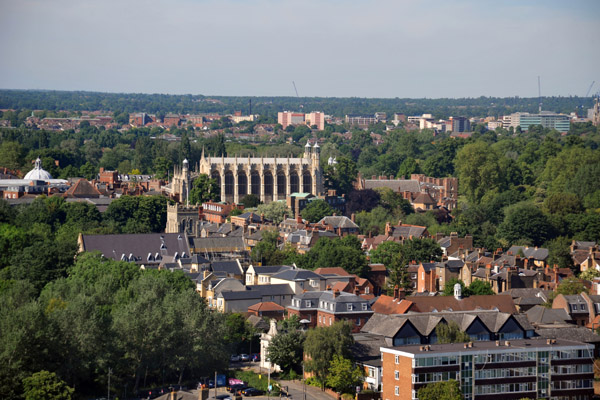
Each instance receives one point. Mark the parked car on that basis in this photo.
(255, 357)
(234, 358)
(222, 397)
(244, 357)
(237, 387)
(252, 392)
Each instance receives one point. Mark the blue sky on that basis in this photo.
(332, 48)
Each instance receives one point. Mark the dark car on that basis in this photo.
(252, 392)
(236, 388)
(255, 357)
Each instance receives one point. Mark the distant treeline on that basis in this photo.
(161, 104)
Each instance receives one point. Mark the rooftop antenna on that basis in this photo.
(540, 93)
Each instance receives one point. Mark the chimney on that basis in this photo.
(336, 293)
(356, 291)
(396, 292)
(401, 294)
(388, 229)
(352, 217)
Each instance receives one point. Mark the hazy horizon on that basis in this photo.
(329, 48)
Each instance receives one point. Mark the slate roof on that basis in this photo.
(340, 301)
(257, 292)
(527, 296)
(139, 245)
(424, 198)
(406, 231)
(259, 323)
(219, 244)
(541, 315)
(366, 348)
(229, 267)
(296, 275)
(270, 269)
(397, 185)
(539, 253)
(579, 334)
(227, 284)
(250, 217)
(389, 325)
(338, 222)
(452, 265)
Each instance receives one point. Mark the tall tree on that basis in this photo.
(204, 189)
(449, 390)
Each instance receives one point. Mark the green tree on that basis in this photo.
(343, 376)
(451, 333)
(478, 170)
(322, 343)
(408, 167)
(449, 390)
(250, 201)
(341, 176)
(571, 285)
(477, 288)
(204, 189)
(316, 210)
(274, 211)
(559, 253)
(449, 287)
(46, 385)
(286, 350)
(266, 251)
(385, 252)
(524, 221)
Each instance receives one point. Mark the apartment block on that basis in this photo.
(554, 369)
(287, 118)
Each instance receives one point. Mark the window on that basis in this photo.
(358, 321)
(319, 319)
(329, 321)
(364, 306)
(367, 290)
(397, 375)
(307, 303)
(397, 359)
(349, 307)
(396, 390)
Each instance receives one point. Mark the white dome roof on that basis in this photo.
(38, 173)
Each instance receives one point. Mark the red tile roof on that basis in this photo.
(388, 305)
(266, 306)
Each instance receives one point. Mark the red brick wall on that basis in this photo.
(389, 382)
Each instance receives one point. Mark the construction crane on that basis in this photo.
(294, 83)
(589, 89)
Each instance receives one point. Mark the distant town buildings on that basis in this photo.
(560, 122)
(315, 118)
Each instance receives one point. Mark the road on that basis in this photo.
(295, 390)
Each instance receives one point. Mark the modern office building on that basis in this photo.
(552, 369)
(560, 122)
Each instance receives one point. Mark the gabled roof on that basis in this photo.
(266, 306)
(82, 188)
(540, 315)
(332, 271)
(407, 231)
(377, 267)
(424, 198)
(338, 222)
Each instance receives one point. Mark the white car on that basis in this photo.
(234, 358)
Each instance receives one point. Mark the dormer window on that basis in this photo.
(150, 257)
(364, 306)
(307, 303)
(349, 307)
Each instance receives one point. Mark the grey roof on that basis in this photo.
(217, 244)
(406, 231)
(258, 323)
(452, 265)
(537, 253)
(250, 217)
(256, 235)
(579, 334)
(270, 269)
(296, 275)
(229, 267)
(340, 300)
(137, 247)
(227, 284)
(257, 292)
(338, 222)
(525, 296)
(397, 185)
(366, 348)
(428, 266)
(542, 315)
(425, 323)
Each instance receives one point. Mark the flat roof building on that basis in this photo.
(560, 122)
(516, 369)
